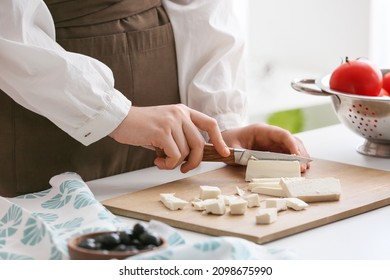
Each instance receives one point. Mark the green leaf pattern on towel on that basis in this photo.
(35, 195)
(69, 225)
(11, 256)
(64, 195)
(33, 232)
(10, 222)
(83, 199)
(46, 217)
(211, 245)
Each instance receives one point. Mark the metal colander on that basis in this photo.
(369, 117)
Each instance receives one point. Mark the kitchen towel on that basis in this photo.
(38, 226)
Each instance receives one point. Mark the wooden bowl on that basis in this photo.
(79, 253)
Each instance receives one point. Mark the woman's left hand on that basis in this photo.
(266, 137)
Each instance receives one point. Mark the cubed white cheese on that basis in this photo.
(253, 200)
(278, 203)
(266, 215)
(272, 169)
(238, 206)
(198, 204)
(228, 198)
(312, 190)
(207, 192)
(172, 202)
(215, 206)
(296, 203)
(272, 191)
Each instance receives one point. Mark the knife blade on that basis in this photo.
(241, 156)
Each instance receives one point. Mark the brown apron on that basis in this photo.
(135, 39)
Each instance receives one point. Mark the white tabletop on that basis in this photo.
(365, 236)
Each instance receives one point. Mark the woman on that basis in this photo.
(91, 94)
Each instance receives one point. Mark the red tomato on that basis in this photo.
(357, 77)
(386, 82)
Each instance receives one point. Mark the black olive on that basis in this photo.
(125, 237)
(138, 229)
(133, 240)
(89, 243)
(148, 238)
(109, 240)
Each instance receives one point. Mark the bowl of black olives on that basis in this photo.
(107, 245)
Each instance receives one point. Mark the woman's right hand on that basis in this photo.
(173, 129)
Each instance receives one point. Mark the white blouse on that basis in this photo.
(40, 75)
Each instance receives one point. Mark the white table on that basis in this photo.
(366, 236)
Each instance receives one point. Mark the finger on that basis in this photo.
(210, 126)
(195, 143)
(172, 155)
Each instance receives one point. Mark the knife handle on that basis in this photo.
(209, 154)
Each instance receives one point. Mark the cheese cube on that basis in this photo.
(172, 202)
(296, 203)
(198, 204)
(312, 190)
(272, 169)
(215, 206)
(266, 215)
(228, 198)
(207, 192)
(278, 203)
(253, 200)
(238, 206)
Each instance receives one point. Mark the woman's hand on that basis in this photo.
(173, 129)
(265, 137)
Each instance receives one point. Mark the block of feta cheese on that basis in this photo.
(215, 206)
(238, 206)
(312, 190)
(272, 169)
(172, 202)
(278, 203)
(207, 192)
(266, 215)
(253, 200)
(296, 203)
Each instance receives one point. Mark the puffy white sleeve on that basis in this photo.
(210, 51)
(73, 91)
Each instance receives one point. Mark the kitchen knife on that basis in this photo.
(241, 156)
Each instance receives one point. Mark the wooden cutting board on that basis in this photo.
(363, 189)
